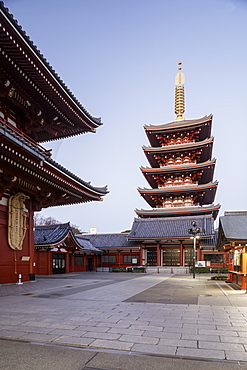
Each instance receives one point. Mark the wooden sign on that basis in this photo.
(16, 221)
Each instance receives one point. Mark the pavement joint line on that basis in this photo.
(130, 353)
(91, 358)
(223, 290)
(225, 308)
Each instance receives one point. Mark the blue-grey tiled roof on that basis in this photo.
(234, 225)
(111, 241)
(86, 244)
(170, 227)
(51, 234)
(210, 242)
(48, 235)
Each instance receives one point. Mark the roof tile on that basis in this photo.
(170, 227)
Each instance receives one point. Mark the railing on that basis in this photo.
(21, 134)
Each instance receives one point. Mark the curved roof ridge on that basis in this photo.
(102, 190)
(53, 226)
(181, 122)
(40, 152)
(51, 234)
(35, 49)
(171, 219)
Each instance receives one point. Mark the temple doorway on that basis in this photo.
(58, 263)
(90, 264)
(171, 257)
(151, 257)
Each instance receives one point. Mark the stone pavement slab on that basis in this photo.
(104, 314)
(30, 356)
(204, 353)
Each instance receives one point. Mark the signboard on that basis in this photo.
(16, 221)
(25, 258)
(200, 264)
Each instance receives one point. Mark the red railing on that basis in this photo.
(21, 134)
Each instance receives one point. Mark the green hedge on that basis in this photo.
(139, 269)
(208, 270)
(118, 269)
(219, 277)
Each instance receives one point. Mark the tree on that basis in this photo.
(40, 220)
(76, 229)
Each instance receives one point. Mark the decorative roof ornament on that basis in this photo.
(179, 94)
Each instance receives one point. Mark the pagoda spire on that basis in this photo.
(179, 94)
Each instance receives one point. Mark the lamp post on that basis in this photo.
(194, 230)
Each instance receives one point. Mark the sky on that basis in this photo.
(119, 58)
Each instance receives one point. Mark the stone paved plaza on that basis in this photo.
(168, 315)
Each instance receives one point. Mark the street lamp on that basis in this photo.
(194, 230)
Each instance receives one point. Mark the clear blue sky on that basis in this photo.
(119, 58)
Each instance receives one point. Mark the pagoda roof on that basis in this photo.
(203, 123)
(232, 228)
(205, 145)
(179, 211)
(170, 228)
(25, 64)
(208, 191)
(174, 125)
(35, 167)
(207, 167)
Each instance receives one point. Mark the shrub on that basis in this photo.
(118, 269)
(139, 269)
(207, 270)
(219, 277)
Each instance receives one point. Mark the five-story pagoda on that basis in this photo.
(181, 186)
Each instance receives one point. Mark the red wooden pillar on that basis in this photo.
(158, 255)
(97, 259)
(230, 274)
(72, 267)
(244, 282)
(84, 262)
(67, 262)
(181, 254)
(49, 257)
(199, 253)
(118, 261)
(140, 257)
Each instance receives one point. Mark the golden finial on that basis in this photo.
(179, 94)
